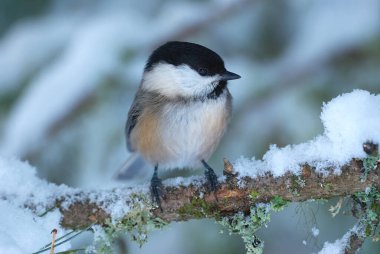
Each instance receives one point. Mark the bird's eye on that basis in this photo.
(202, 71)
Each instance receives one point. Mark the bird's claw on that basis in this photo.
(156, 190)
(212, 181)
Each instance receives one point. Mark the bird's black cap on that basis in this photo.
(201, 59)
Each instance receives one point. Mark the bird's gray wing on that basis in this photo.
(143, 100)
(133, 116)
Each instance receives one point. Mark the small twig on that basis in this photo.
(63, 239)
(54, 232)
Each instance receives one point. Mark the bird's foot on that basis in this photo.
(212, 181)
(156, 190)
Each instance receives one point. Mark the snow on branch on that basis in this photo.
(67, 208)
(190, 200)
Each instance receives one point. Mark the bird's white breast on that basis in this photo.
(191, 132)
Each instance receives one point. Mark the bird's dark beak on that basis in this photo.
(229, 76)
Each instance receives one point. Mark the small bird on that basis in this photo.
(180, 111)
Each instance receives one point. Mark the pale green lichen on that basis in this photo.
(137, 224)
(246, 226)
(278, 203)
(327, 186)
(295, 184)
(254, 194)
(321, 201)
(198, 208)
(369, 202)
(369, 164)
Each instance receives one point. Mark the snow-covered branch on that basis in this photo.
(190, 200)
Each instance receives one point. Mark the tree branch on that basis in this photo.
(235, 195)
(355, 242)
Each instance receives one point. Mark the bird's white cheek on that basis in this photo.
(177, 81)
(161, 79)
(192, 83)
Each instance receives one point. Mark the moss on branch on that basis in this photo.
(236, 201)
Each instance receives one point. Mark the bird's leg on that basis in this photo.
(156, 188)
(212, 179)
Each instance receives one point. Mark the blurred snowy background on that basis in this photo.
(70, 68)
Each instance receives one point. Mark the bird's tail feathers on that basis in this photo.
(134, 166)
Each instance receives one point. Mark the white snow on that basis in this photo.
(349, 120)
(21, 229)
(185, 181)
(19, 185)
(336, 247)
(24, 198)
(339, 245)
(315, 231)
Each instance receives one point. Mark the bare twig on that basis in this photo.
(54, 232)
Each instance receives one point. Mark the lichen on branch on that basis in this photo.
(235, 203)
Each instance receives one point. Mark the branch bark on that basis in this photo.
(193, 201)
(355, 242)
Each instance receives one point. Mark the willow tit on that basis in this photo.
(180, 111)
